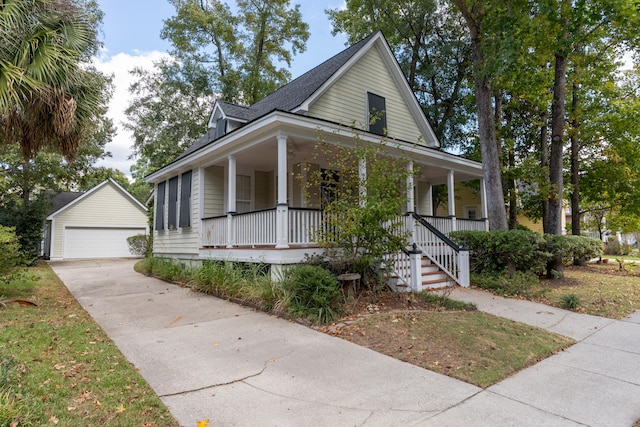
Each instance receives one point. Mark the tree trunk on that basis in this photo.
(486, 121)
(544, 165)
(555, 161)
(575, 168)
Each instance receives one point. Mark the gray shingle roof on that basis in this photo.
(288, 97)
(61, 200)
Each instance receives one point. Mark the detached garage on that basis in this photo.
(94, 224)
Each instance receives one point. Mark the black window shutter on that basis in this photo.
(160, 206)
(185, 200)
(221, 127)
(377, 114)
(173, 204)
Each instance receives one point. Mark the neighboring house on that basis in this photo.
(469, 205)
(94, 224)
(238, 193)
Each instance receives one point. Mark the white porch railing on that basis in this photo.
(304, 225)
(214, 231)
(441, 251)
(463, 224)
(447, 224)
(257, 228)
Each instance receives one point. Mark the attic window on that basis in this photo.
(221, 127)
(377, 114)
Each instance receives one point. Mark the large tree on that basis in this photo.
(47, 96)
(475, 15)
(428, 39)
(215, 53)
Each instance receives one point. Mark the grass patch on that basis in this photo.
(602, 290)
(475, 347)
(58, 367)
(21, 285)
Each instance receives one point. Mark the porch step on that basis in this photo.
(432, 278)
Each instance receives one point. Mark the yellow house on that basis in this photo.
(238, 193)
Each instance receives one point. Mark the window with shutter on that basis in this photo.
(160, 206)
(185, 200)
(377, 114)
(172, 220)
(221, 127)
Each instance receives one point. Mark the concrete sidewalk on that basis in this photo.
(210, 359)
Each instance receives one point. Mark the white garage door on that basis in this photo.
(96, 242)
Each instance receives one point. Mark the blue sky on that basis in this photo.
(131, 37)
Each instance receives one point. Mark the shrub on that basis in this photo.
(616, 248)
(220, 277)
(496, 251)
(313, 292)
(570, 247)
(166, 268)
(569, 301)
(139, 245)
(10, 255)
(524, 251)
(27, 219)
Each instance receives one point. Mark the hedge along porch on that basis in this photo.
(239, 192)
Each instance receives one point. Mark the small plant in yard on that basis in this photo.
(570, 301)
(313, 293)
(139, 245)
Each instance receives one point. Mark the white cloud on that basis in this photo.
(120, 66)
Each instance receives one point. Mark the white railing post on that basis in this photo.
(415, 257)
(464, 273)
(230, 231)
(282, 227)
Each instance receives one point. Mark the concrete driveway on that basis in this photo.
(210, 359)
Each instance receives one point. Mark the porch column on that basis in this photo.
(282, 209)
(411, 202)
(231, 199)
(483, 203)
(201, 212)
(451, 200)
(362, 183)
(430, 196)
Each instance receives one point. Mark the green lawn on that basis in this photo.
(57, 367)
(602, 289)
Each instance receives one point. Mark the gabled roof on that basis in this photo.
(66, 200)
(287, 97)
(296, 96)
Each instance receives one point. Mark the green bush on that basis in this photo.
(524, 251)
(139, 245)
(166, 268)
(313, 292)
(496, 251)
(27, 219)
(10, 255)
(569, 301)
(221, 277)
(616, 248)
(571, 247)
